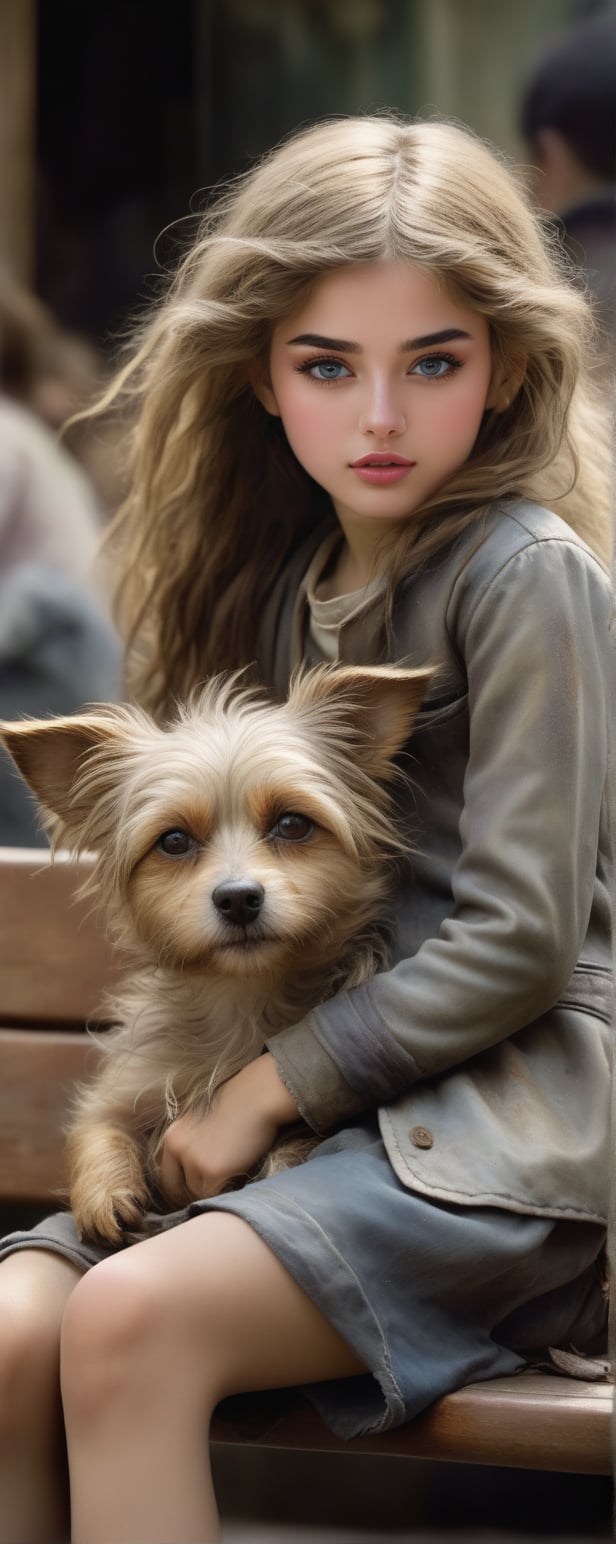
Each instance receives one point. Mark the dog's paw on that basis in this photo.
(107, 1184)
(109, 1219)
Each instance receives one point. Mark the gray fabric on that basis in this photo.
(58, 651)
(429, 1296)
(493, 1025)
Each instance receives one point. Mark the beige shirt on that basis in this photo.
(328, 615)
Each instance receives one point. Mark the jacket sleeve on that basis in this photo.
(535, 639)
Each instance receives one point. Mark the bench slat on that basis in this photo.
(531, 1421)
(54, 959)
(37, 1071)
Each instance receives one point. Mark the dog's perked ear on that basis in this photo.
(379, 702)
(49, 753)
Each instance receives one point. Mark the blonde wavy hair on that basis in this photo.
(217, 502)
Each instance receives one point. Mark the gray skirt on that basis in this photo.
(430, 1296)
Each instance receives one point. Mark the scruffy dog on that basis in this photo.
(243, 856)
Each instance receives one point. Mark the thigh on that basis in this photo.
(215, 1293)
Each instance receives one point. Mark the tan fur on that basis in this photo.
(204, 993)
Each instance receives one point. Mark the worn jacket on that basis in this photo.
(487, 1045)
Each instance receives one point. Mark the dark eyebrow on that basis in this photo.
(339, 345)
(448, 335)
(342, 346)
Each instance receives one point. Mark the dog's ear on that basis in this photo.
(379, 703)
(49, 753)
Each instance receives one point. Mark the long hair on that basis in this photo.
(217, 502)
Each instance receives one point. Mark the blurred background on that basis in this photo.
(117, 115)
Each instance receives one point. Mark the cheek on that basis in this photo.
(166, 905)
(305, 428)
(461, 418)
(307, 414)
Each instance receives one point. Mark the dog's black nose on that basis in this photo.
(239, 900)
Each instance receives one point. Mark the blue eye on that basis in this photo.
(324, 369)
(435, 366)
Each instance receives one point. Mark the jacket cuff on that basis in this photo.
(323, 1096)
(341, 1060)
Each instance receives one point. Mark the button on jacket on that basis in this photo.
(486, 1046)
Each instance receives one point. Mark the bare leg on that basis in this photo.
(152, 1340)
(34, 1288)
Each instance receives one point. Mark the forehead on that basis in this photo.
(207, 751)
(350, 302)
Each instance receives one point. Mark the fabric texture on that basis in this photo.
(58, 651)
(429, 1296)
(497, 1009)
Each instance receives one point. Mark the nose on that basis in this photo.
(239, 900)
(382, 414)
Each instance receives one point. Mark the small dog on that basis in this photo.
(243, 858)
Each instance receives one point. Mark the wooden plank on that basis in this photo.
(38, 1070)
(531, 1421)
(54, 959)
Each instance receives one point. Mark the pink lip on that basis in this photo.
(381, 458)
(381, 468)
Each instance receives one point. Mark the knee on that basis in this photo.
(110, 1327)
(29, 1352)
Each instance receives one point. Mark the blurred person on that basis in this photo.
(58, 648)
(40, 365)
(568, 121)
(56, 374)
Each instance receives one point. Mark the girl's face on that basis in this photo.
(380, 379)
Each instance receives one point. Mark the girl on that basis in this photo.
(365, 384)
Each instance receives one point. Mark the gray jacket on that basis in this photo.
(487, 1045)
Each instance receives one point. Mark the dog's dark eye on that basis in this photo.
(293, 828)
(175, 843)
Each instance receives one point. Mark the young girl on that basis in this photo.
(348, 416)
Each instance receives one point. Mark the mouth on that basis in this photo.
(381, 468)
(246, 944)
(381, 458)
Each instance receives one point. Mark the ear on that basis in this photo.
(258, 377)
(505, 386)
(49, 754)
(379, 703)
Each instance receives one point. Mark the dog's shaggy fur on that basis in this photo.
(243, 858)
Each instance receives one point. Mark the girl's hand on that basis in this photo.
(201, 1153)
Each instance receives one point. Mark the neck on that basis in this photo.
(363, 556)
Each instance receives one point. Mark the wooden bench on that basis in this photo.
(54, 965)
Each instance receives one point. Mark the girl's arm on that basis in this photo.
(534, 637)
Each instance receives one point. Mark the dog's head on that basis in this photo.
(244, 834)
